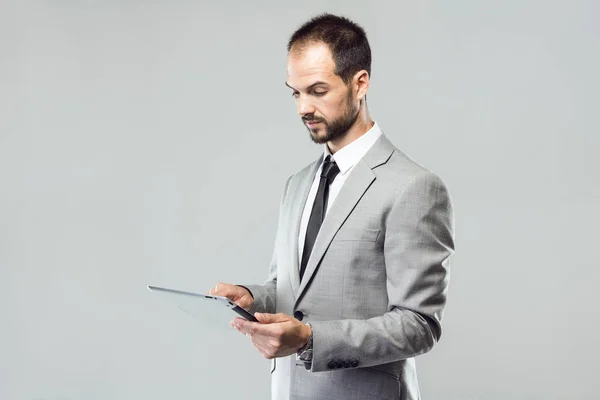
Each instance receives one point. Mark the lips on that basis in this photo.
(312, 123)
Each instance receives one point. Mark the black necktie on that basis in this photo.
(328, 174)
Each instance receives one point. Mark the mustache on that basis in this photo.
(312, 120)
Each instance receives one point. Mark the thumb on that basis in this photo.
(266, 318)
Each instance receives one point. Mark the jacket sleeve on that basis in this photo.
(419, 240)
(265, 295)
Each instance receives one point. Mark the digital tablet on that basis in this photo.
(203, 306)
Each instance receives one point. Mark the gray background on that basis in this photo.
(148, 142)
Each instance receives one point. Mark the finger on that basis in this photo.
(266, 318)
(235, 323)
(264, 349)
(267, 330)
(242, 325)
(252, 330)
(249, 330)
(260, 345)
(256, 328)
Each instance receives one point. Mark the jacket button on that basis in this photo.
(299, 315)
(331, 364)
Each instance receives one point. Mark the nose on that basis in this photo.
(304, 106)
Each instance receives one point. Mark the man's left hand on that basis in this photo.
(275, 335)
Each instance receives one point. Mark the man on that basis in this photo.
(359, 274)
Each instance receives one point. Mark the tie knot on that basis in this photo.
(330, 169)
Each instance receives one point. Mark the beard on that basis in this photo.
(338, 127)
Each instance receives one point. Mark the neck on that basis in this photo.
(362, 124)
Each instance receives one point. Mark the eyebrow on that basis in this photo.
(311, 86)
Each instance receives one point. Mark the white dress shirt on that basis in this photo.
(345, 158)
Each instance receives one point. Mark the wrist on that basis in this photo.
(248, 290)
(308, 336)
(305, 352)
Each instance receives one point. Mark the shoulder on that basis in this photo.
(402, 173)
(304, 173)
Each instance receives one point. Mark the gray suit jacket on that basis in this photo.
(376, 282)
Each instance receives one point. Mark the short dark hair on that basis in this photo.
(346, 40)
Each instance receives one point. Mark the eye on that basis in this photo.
(295, 94)
(319, 93)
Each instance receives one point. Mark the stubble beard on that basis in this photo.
(335, 129)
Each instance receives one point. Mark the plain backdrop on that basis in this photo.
(147, 142)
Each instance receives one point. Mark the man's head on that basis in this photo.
(328, 69)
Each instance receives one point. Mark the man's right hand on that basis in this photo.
(237, 294)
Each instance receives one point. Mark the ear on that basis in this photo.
(361, 82)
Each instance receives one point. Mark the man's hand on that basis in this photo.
(237, 294)
(275, 335)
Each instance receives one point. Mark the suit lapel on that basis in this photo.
(357, 183)
(296, 209)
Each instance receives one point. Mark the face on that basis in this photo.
(327, 106)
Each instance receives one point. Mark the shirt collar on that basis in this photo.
(349, 155)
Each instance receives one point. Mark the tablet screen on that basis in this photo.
(210, 310)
